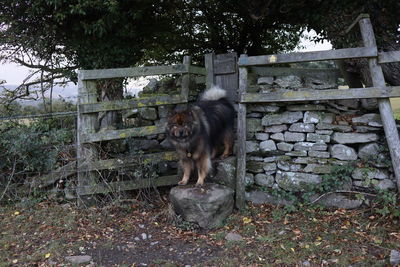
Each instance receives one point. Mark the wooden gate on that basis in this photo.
(379, 91)
(87, 136)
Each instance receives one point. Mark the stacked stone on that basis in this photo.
(292, 145)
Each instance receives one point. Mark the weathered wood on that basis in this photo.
(124, 162)
(209, 63)
(388, 57)
(378, 80)
(355, 22)
(226, 74)
(313, 95)
(55, 175)
(197, 70)
(330, 74)
(132, 103)
(186, 79)
(241, 141)
(86, 125)
(128, 185)
(225, 64)
(122, 134)
(133, 72)
(359, 52)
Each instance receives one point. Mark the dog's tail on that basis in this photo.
(214, 93)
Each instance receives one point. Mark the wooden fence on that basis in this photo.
(88, 109)
(379, 91)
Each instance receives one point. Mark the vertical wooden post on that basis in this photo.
(86, 153)
(187, 60)
(385, 109)
(241, 141)
(210, 74)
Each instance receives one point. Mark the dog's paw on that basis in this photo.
(182, 182)
(198, 184)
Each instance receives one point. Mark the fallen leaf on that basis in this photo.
(246, 220)
(47, 255)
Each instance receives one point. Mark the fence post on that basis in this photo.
(86, 153)
(241, 141)
(187, 60)
(209, 64)
(378, 80)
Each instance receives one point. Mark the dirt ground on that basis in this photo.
(45, 233)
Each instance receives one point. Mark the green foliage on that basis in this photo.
(387, 204)
(31, 148)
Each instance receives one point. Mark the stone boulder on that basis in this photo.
(208, 206)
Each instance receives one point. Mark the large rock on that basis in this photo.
(226, 173)
(285, 117)
(261, 197)
(276, 128)
(208, 206)
(294, 137)
(317, 117)
(296, 181)
(354, 138)
(343, 152)
(253, 125)
(148, 113)
(371, 119)
(369, 173)
(290, 81)
(268, 145)
(302, 127)
(339, 201)
(368, 151)
(262, 179)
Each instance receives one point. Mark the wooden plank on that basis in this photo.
(121, 134)
(197, 70)
(227, 77)
(55, 175)
(385, 109)
(128, 185)
(359, 52)
(186, 79)
(210, 76)
(241, 142)
(316, 95)
(225, 64)
(355, 22)
(132, 72)
(388, 57)
(132, 103)
(123, 162)
(86, 125)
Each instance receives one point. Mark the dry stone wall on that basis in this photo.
(291, 146)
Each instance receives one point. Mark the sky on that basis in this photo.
(14, 74)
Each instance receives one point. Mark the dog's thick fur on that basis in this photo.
(200, 130)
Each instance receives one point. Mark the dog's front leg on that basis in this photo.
(203, 167)
(187, 169)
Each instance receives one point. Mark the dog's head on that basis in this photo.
(181, 125)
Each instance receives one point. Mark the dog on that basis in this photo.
(200, 131)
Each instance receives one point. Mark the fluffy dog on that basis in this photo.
(198, 133)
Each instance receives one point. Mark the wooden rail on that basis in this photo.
(330, 94)
(347, 53)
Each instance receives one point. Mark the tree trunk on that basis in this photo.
(110, 90)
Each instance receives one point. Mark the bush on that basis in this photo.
(31, 147)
